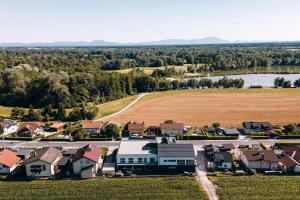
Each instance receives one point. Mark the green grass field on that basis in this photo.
(258, 187)
(5, 111)
(123, 188)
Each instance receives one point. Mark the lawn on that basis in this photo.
(106, 109)
(5, 111)
(258, 187)
(123, 188)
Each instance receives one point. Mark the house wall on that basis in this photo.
(297, 169)
(46, 169)
(78, 165)
(161, 160)
(7, 170)
(226, 165)
(135, 158)
(89, 173)
(171, 132)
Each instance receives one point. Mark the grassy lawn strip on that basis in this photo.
(124, 188)
(114, 106)
(257, 187)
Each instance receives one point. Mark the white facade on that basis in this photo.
(136, 159)
(259, 164)
(82, 163)
(40, 168)
(176, 161)
(7, 170)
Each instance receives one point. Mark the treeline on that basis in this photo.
(280, 82)
(93, 59)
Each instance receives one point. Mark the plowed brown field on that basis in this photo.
(230, 108)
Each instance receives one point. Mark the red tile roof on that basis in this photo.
(89, 151)
(135, 125)
(288, 162)
(91, 124)
(293, 152)
(57, 125)
(8, 158)
(173, 126)
(30, 126)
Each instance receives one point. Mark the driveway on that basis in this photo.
(201, 172)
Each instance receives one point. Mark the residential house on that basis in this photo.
(259, 159)
(176, 157)
(87, 161)
(137, 155)
(228, 147)
(56, 127)
(9, 126)
(211, 150)
(135, 127)
(24, 153)
(223, 160)
(289, 164)
(43, 164)
(173, 129)
(249, 127)
(91, 127)
(8, 161)
(30, 129)
(231, 132)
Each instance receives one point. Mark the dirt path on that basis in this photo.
(203, 179)
(123, 109)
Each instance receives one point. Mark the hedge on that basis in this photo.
(205, 137)
(289, 136)
(95, 139)
(55, 139)
(286, 143)
(259, 137)
(18, 138)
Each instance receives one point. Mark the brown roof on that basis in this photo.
(89, 151)
(30, 126)
(173, 126)
(57, 125)
(8, 158)
(292, 151)
(135, 125)
(228, 146)
(47, 154)
(288, 162)
(91, 124)
(254, 155)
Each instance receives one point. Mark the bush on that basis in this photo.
(19, 138)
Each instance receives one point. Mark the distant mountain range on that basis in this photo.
(95, 43)
(102, 43)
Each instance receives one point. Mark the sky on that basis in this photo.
(148, 20)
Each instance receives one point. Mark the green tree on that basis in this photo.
(111, 131)
(17, 113)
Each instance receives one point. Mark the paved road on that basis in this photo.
(123, 109)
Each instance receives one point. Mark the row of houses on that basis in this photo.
(286, 159)
(84, 162)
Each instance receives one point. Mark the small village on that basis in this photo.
(142, 150)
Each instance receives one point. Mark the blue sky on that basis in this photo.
(148, 20)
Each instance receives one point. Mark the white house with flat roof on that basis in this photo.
(137, 155)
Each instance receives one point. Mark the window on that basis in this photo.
(171, 160)
(87, 161)
(145, 160)
(44, 167)
(152, 160)
(190, 162)
(165, 161)
(180, 162)
(130, 160)
(122, 160)
(140, 160)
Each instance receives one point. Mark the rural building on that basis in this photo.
(173, 129)
(137, 155)
(231, 132)
(30, 129)
(259, 160)
(57, 127)
(178, 157)
(289, 164)
(270, 133)
(249, 127)
(135, 127)
(9, 126)
(91, 127)
(228, 147)
(211, 150)
(8, 161)
(24, 153)
(43, 164)
(87, 161)
(223, 160)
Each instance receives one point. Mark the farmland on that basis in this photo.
(257, 187)
(127, 188)
(230, 107)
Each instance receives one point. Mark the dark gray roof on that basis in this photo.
(176, 150)
(69, 152)
(24, 152)
(231, 131)
(63, 161)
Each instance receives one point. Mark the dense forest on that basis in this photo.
(70, 77)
